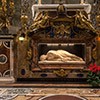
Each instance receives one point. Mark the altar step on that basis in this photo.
(44, 85)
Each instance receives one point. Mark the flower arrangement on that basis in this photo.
(94, 75)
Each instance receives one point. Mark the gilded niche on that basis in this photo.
(61, 26)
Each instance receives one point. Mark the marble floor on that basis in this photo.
(32, 93)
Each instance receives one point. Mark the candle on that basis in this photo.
(39, 1)
(82, 1)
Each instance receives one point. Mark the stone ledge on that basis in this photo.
(45, 85)
(7, 80)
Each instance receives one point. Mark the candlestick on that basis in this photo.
(98, 50)
(4, 1)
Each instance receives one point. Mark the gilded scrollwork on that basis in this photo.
(29, 54)
(63, 25)
(61, 72)
(62, 30)
(94, 53)
(82, 21)
(6, 13)
(41, 21)
(98, 20)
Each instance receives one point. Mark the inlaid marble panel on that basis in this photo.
(6, 60)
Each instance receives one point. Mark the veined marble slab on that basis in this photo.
(37, 93)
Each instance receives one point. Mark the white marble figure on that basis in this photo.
(59, 55)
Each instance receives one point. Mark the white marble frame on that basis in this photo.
(53, 7)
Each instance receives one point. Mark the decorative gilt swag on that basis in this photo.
(62, 24)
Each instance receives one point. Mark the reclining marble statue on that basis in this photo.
(59, 55)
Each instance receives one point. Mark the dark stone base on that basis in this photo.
(54, 80)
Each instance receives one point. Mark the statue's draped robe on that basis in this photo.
(60, 55)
